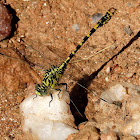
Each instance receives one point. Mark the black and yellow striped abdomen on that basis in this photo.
(53, 75)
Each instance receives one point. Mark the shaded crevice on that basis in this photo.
(79, 95)
(14, 20)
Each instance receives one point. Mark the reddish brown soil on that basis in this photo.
(47, 27)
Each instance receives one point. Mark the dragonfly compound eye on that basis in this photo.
(38, 89)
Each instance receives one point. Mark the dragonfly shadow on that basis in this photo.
(78, 94)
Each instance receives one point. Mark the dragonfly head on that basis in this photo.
(40, 91)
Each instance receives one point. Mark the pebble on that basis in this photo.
(107, 70)
(75, 27)
(5, 22)
(107, 79)
(128, 30)
(96, 17)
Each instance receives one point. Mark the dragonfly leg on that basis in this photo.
(58, 93)
(51, 99)
(35, 97)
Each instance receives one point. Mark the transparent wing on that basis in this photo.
(77, 73)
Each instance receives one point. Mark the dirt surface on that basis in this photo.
(47, 30)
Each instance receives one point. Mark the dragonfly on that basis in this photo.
(53, 75)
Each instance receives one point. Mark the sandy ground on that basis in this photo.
(47, 30)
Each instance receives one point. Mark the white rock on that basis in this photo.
(115, 93)
(48, 123)
(132, 127)
(126, 119)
